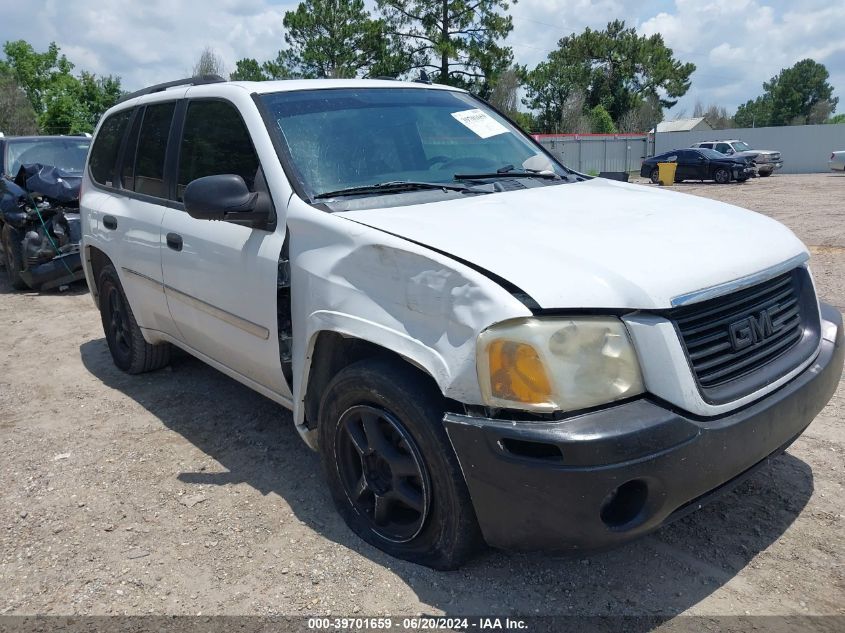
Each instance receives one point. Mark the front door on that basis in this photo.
(220, 278)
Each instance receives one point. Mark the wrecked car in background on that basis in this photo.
(39, 210)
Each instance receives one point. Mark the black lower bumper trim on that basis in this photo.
(618, 473)
(61, 270)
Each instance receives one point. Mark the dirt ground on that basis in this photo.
(183, 492)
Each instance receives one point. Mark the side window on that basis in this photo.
(705, 145)
(215, 141)
(106, 147)
(723, 147)
(152, 145)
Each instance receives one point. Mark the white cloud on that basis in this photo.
(738, 44)
(151, 41)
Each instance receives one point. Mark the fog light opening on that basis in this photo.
(624, 504)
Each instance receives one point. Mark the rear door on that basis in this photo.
(221, 278)
(126, 224)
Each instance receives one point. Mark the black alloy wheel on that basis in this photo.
(118, 325)
(382, 473)
(722, 176)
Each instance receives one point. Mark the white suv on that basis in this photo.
(483, 345)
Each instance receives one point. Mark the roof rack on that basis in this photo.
(188, 81)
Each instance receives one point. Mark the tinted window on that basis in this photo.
(707, 145)
(152, 145)
(106, 147)
(723, 147)
(127, 170)
(215, 141)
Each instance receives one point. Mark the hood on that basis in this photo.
(597, 243)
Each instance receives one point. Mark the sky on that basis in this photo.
(736, 45)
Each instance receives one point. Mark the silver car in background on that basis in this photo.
(837, 161)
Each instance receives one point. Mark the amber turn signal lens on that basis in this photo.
(517, 374)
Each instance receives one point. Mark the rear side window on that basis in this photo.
(106, 147)
(152, 145)
(705, 145)
(215, 141)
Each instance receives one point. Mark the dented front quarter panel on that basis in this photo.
(361, 282)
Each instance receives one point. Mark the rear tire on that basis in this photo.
(722, 176)
(130, 352)
(13, 250)
(391, 469)
(655, 176)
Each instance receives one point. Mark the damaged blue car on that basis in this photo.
(39, 210)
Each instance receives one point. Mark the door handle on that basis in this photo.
(110, 222)
(174, 241)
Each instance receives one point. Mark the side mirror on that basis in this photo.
(223, 197)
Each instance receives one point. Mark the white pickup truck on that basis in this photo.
(483, 345)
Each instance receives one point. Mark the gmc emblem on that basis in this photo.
(753, 329)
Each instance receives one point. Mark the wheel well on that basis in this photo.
(98, 261)
(333, 352)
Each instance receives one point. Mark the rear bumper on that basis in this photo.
(606, 477)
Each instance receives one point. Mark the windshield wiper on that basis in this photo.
(508, 171)
(392, 186)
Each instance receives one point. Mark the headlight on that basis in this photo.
(557, 364)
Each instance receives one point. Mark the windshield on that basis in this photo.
(66, 153)
(740, 146)
(343, 138)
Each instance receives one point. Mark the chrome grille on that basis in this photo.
(729, 338)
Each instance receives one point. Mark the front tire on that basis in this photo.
(722, 176)
(391, 469)
(13, 250)
(655, 176)
(130, 352)
(765, 174)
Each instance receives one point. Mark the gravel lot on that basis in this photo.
(182, 492)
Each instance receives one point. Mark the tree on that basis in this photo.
(249, 69)
(331, 38)
(16, 114)
(209, 63)
(549, 88)
(623, 68)
(600, 121)
(614, 68)
(456, 42)
(643, 117)
(795, 96)
(62, 102)
(754, 113)
(839, 118)
(505, 93)
(716, 116)
(35, 72)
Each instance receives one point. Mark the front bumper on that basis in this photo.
(743, 173)
(59, 271)
(603, 478)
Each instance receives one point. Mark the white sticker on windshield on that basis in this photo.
(480, 122)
